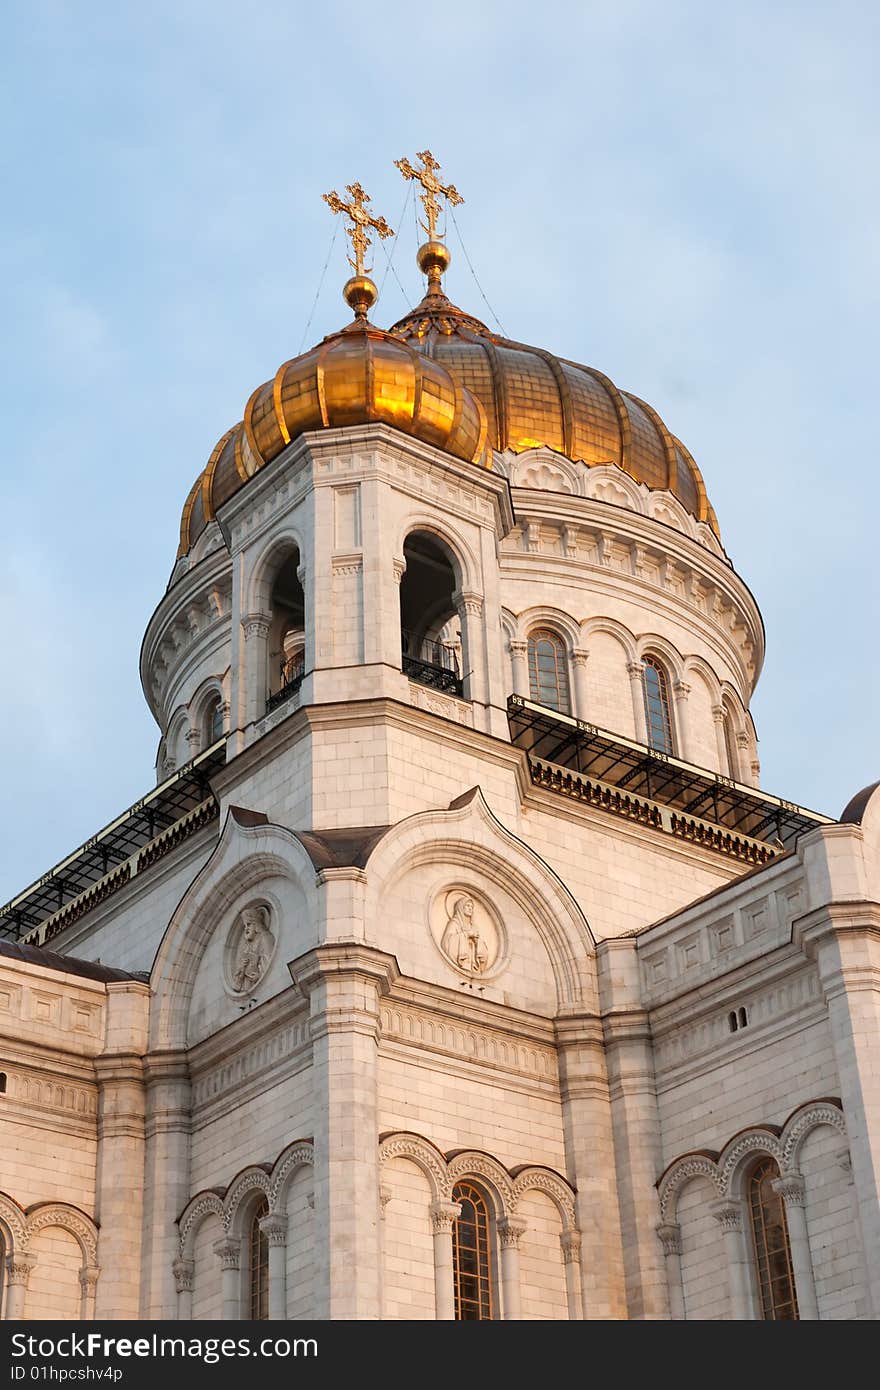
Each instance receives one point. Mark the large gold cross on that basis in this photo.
(427, 177)
(360, 220)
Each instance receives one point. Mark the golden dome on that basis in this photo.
(532, 398)
(356, 377)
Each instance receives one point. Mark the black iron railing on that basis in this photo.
(431, 663)
(292, 673)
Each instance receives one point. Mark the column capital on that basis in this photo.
(681, 690)
(719, 714)
(468, 601)
(518, 647)
(274, 1227)
(635, 670)
(184, 1275)
(728, 1214)
(256, 625)
(511, 1230)
(228, 1251)
(570, 1241)
(88, 1278)
(18, 1269)
(580, 656)
(669, 1234)
(791, 1188)
(443, 1215)
(385, 1194)
(399, 566)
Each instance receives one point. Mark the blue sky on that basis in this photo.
(683, 197)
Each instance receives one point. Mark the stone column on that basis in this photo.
(255, 627)
(275, 1227)
(184, 1282)
(119, 1180)
(519, 660)
(636, 1125)
(443, 1216)
(470, 611)
(167, 1191)
(194, 743)
(670, 1239)
(510, 1232)
(680, 692)
(344, 982)
(88, 1285)
(589, 1147)
(728, 1214)
(228, 1252)
(571, 1258)
(844, 939)
(18, 1272)
(791, 1189)
(719, 714)
(636, 672)
(580, 657)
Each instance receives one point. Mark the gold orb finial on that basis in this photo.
(434, 256)
(359, 292)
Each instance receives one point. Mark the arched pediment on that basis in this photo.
(468, 848)
(254, 861)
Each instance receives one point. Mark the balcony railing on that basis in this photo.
(431, 663)
(292, 673)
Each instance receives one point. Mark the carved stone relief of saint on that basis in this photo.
(466, 932)
(252, 950)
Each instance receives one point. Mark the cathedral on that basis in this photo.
(457, 966)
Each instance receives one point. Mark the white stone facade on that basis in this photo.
(383, 957)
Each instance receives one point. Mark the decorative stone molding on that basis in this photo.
(791, 1188)
(719, 714)
(255, 625)
(468, 603)
(480, 1165)
(88, 1278)
(554, 1187)
(580, 656)
(728, 1215)
(424, 1155)
(274, 1227)
(681, 690)
(635, 670)
(510, 1232)
(570, 1242)
(18, 1269)
(83, 1230)
(231, 1207)
(669, 1234)
(517, 648)
(444, 1215)
(385, 1195)
(725, 1171)
(228, 1251)
(184, 1275)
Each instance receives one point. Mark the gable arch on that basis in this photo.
(612, 628)
(801, 1123)
(245, 855)
(266, 564)
(737, 1157)
(197, 1210)
(469, 835)
(238, 1202)
(421, 1152)
(465, 564)
(299, 1154)
(67, 1218)
(556, 620)
(544, 1180)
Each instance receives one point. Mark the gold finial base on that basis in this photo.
(360, 293)
(433, 259)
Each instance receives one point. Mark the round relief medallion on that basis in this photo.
(250, 947)
(467, 932)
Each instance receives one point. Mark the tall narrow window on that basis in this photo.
(548, 672)
(730, 745)
(258, 1267)
(214, 722)
(658, 716)
(772, 1246)
(471, 1255)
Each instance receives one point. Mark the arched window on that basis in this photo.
(214, 722)
(658, 715)
(772, 1246)
(258, 1266)
(548, 672)
(472, 1255)
(730, 744)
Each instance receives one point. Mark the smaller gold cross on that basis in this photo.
(361, 220)
(427, 177)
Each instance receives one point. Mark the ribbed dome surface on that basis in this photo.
(355, 377)
(532, 398)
